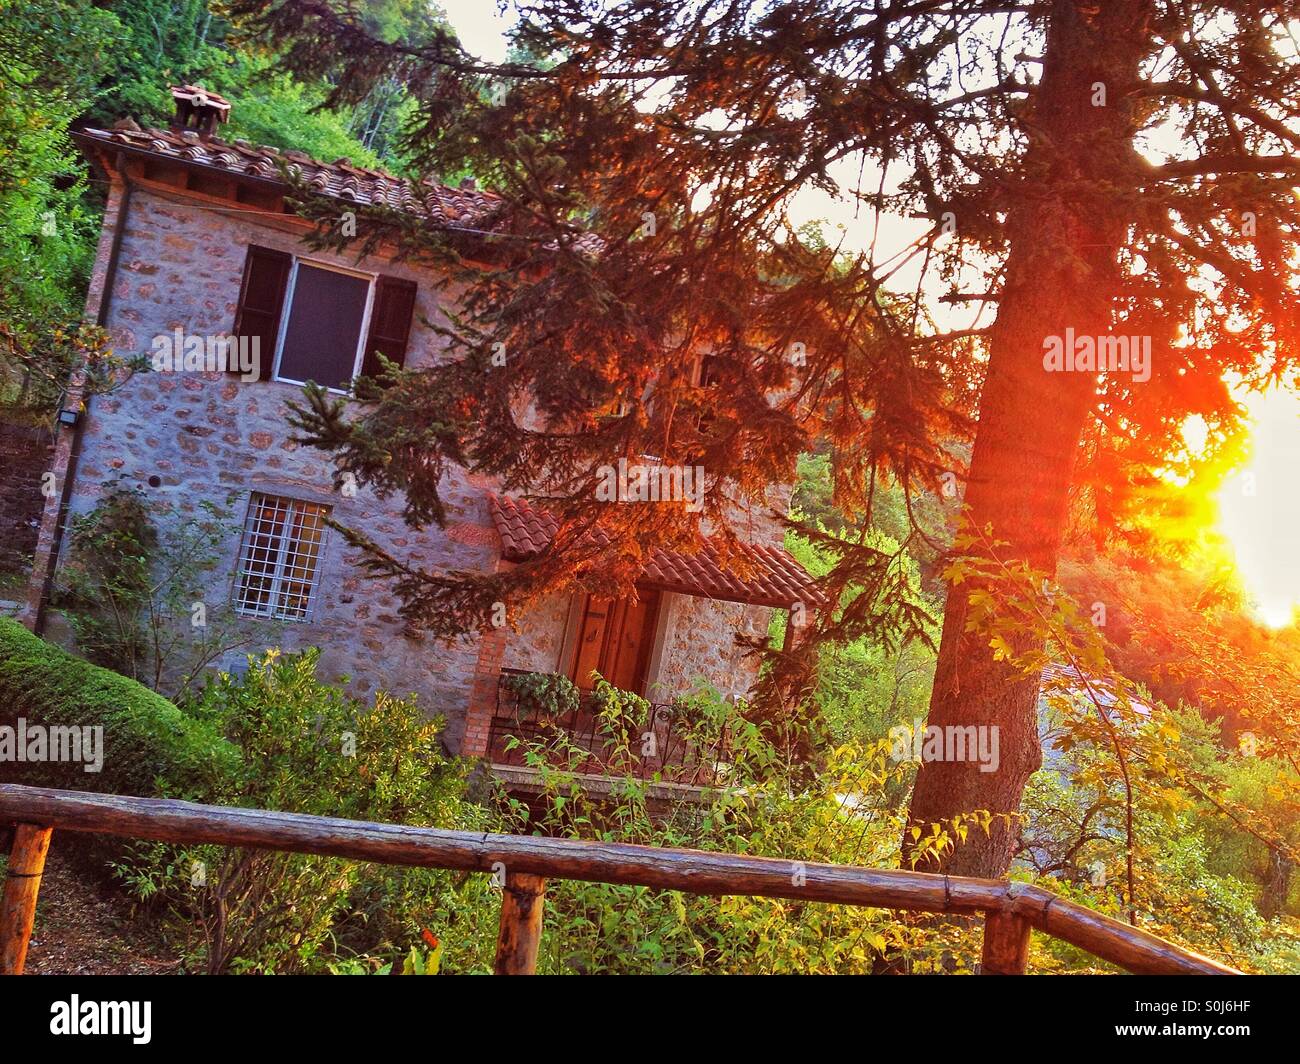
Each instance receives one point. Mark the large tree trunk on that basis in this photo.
(1061, 272)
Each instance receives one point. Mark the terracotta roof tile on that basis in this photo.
(464, 207)
(778, 579)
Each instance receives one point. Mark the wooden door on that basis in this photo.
(615, 638)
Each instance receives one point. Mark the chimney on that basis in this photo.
(198, 111)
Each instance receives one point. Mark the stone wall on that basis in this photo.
(700, 647)
(536, 645)
(186, 438)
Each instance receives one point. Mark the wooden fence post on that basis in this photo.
(521, 924)
(1006, 943)
(18, 903)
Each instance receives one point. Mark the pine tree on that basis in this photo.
(1090, 170)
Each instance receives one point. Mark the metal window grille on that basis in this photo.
(278, 557)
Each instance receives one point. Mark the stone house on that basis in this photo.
(198, 242)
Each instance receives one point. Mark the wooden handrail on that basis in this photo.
(527, 860)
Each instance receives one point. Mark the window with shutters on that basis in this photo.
(313, 321)
(706, 377)
(707, 371)
(279, 557)
(325, 318)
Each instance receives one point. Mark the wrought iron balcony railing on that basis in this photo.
(653, 741)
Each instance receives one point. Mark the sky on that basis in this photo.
(1259, 509)
(479, 25)
(482, 27)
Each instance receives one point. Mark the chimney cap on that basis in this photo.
(198, 111)
(197, 96)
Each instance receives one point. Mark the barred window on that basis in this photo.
(278, 557)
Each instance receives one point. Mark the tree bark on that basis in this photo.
(1277, 887)
(1062, 272)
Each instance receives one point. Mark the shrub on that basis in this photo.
(550, 693)
(146, 738)
(762, 804)
(137, 589)
(307, 747)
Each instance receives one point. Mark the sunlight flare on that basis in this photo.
(1259, 508)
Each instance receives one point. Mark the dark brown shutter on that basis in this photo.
(390, 323)
(261, 301)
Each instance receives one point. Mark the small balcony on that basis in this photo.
(668, 745)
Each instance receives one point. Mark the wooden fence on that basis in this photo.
(1011, 910)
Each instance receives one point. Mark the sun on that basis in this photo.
(1259, 508)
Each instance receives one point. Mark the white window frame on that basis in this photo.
(283, 555)
(282, 332)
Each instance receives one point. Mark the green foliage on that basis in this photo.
(417, 962)
(260, 912)
(293, 743)
(165, 43)
(269, 107)
(149, 744)
(893, 512)
(865, 687)
(50, 53)
(159, 43)
(1132, 811)
(1074, 835)
(551, 692)
(306, 747)
(758, 802)
(869, 684)
(136, 598)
